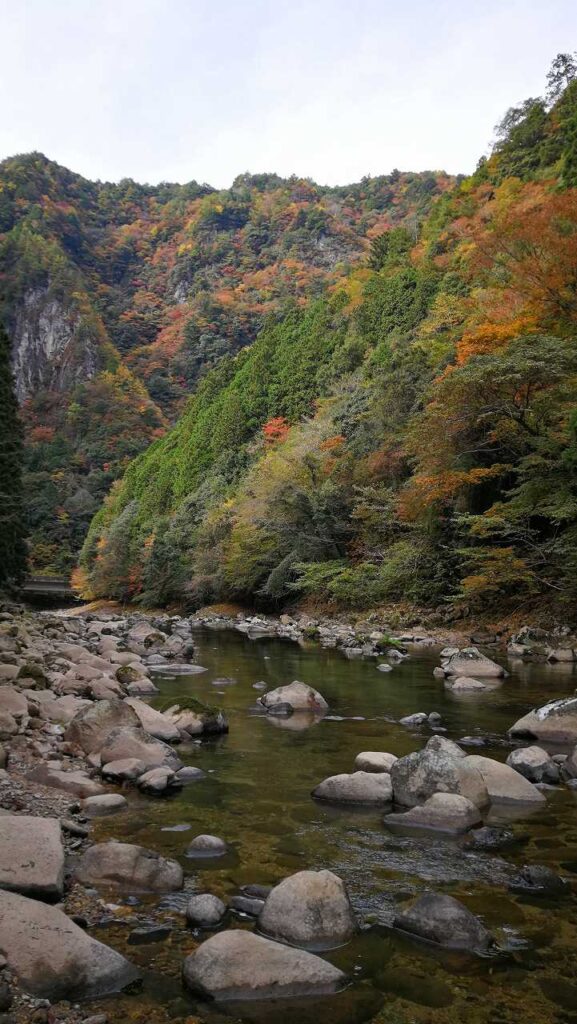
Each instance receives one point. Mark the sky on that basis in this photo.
(176, 90)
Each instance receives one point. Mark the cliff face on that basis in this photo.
(48, 351)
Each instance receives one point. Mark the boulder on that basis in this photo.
(470, 662)
(300, 697)
(535, 764)
(133, 742)
(555, 722)
(444, 921)
(153, 721)
(466, 684)
(157, 781)
(419, 718)
(207, 846)
(237, 965)
(62, 709)
(193, 718)
(538, 880)
(436, 769)
(55, 959)
(310, 909)
(8, 725)
(13, 701)
(77, 783)
(358, 788)
(32, 856)
(141, 687)
(489, 839)
(189, 774)
(504, 784)
(374, 761)
(442, 812)
(126, 770)
(100, 806)
(560, 654)
(128, 867)
(91, 727)
(205, 911)
(146, 635)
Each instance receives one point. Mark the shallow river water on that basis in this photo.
(257, 797)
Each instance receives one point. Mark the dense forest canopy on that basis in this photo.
(119, 297)
(410, 433)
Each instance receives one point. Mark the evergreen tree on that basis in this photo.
(12, 531)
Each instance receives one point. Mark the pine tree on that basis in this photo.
(12, 530)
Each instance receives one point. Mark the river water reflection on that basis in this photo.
(257, 797)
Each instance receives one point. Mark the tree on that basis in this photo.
(563, 72)
(12, 529)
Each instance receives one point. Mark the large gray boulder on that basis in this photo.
(153, 721)
(535, 764)
(374, 761)
(298, 695)
(128, 867)
(77, 783)
(55, 959)
(310, 909)
(440, 768)
(555, 722)
(470, 662)
(356, 788)
(101, 806)
(503, 783)
(134, 742)
(442, 812)
(445, 921)
(31, 856)
(237, 965)
(92, 726)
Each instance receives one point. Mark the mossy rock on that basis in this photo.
(127, 674)
(31, 670)
(213, 718)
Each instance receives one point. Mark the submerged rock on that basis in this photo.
(55, 959)
(310, 909)
(207, 846)
(537, 880)
(357, 788)
(445, 921)
(488, 838)
(237, 965)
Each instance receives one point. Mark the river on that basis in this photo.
(257, 797)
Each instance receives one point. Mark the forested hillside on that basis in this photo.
(410, 434)
(118, 298)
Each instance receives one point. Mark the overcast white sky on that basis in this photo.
(206, 89)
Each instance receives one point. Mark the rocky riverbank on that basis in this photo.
(78, 739)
